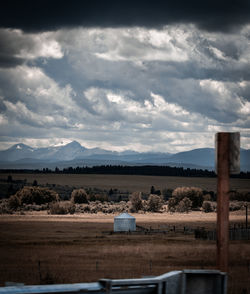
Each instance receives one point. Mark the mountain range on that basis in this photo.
(21, 156)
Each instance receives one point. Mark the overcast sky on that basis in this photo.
(120, 75)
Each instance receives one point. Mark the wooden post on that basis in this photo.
(246, 217)
(223, 166)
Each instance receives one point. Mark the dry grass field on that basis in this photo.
(125, 182)
(39, 248)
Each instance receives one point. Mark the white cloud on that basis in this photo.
(169, 89)
(3, 120)
(20, 112)
(37, 90)
(138, 45)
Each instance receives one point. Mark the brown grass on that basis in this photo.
(75, 248)
(127, 183)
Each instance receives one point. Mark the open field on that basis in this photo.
(38, 248)
(125, 182)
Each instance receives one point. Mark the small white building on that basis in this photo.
(124, 223)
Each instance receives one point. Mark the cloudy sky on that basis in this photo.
(124, 75)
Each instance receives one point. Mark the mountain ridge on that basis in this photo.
(74, 154)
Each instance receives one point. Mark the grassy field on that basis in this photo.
(37, 248)
(126, 183)
(40, 248)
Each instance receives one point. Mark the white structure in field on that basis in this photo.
(124, 223)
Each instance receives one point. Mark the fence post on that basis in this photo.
(227, 161)
(246, 217)
(222, 200)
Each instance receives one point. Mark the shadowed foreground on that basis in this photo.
(44, 250)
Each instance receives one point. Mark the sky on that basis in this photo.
(160, 76)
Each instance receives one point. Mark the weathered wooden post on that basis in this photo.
(227, 161)
(246, 216)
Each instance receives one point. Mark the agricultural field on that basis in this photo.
(37, 248)
(40, 247)
(126, 182)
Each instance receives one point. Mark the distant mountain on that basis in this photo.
(21, 156)
(245, 160)
(202, 156)
(16, 152)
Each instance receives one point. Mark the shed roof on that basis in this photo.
(124, 215)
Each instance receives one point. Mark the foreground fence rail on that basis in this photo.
(175, 282)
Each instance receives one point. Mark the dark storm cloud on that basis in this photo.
(9, 60)
(45, 15)
(17, 48)
(9, 48)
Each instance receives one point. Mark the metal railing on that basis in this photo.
(175, 282)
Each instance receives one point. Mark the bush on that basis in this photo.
(172, 203)
(79, 196)
(101, 197)
(154, 203)
(236, 205)
(36, 195)
(207, 206)
(4, 207)
(184, 205)
(192, 193)
(14, 202)
(167, 193)
(240, 196)
(35, 207)
(207, 197)
(34, 183)
(136, 201)
(61, 208)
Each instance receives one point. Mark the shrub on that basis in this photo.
(207, 206)
(14, 202)
(86, 208)
(240, 196)
(101, 197)
(91, 197)
(61, 208)
(4, 207)
(35, 183)
(235, 205)
(154, 203)
(192, 193)
(79, 196)
(184, 205)
(32, 207)
(37, 195)
(136, 201)
(167, 193)
(207, 197)
(172, 203)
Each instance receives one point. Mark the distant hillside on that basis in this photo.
(21, 156)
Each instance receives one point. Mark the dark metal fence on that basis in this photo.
(175, 282)
(234, 234)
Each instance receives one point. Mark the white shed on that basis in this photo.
(124, 223)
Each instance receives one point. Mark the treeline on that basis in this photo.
(149, 170)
